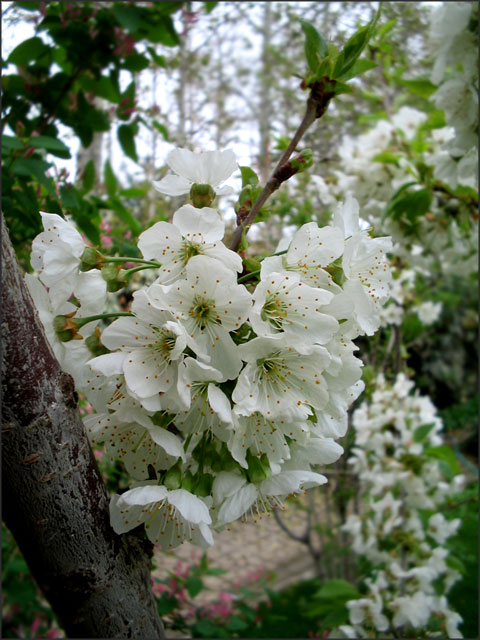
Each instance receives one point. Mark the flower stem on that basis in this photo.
(129, 272)
(252, 274)
(121, 259)
(80, 322)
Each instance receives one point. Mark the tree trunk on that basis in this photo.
(54, 500)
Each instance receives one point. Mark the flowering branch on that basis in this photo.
(320, 95)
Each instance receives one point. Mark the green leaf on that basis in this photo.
(103, 87)
(133, 192)
(216, 572)
(11, 142)
(385, 28)
(445, 454)
(341, 87)
(419, 87)
(110, 180)
(435, 120)
(127, 141)
(129, 17)
(412, 205)
(386, 157)
(69, 197)
(53, 145)
(158, 60)
(136, 62)
(420, 434)
(360, 66)
(88, 179)
(162, 128)
(33, 167)
(315, 46)
(248, 176)
(163, 31)
(209, 6)
(166, 604)
(354, 47)
(337, 590)
(31, 49)
(236, 624)
(455, 563)
(125, 215)
(194, 586)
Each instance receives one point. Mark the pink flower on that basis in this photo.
(106, 241)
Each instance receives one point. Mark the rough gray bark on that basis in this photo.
(54, 500)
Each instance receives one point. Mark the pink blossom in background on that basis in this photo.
(106, 241)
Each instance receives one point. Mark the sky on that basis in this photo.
(247, 136)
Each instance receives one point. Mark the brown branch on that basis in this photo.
(54, 500)
(317, 104)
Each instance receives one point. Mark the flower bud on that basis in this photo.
(202, 195)
(173, 477)
(258, 468)
(65, 328)
(90, 259)
(109, 272)
(203, 485)
(187, 481)
(303, 161)
(94, 345)
(115, 285)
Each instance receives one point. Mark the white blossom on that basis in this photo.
(210, 167)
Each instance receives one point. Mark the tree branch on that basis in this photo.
(54, 500)
(317, 104)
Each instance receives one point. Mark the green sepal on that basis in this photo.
(258, 467)
(202, 195)
(203, 485)
(173, 477)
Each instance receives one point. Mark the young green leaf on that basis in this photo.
(354, 47)
(315, 46)
(110, 179)
(248, 177)
(360, 66)
(31, 49)
(127, 140)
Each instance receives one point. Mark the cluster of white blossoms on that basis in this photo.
(401, 531)
(454, 48)
(219, 392)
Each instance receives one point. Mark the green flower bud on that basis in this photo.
(64, 336)
(203, 485)
(187, 481)
(202, 195)
(109, 272)
(90, 259)
(95, 346)
(173, 477)
(59, 323)
(65, 328)
(303, 161)
(115, 285)
(258, 468)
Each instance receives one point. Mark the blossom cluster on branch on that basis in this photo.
(222, 388)
(404, 480)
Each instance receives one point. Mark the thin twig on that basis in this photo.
(317, 103)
